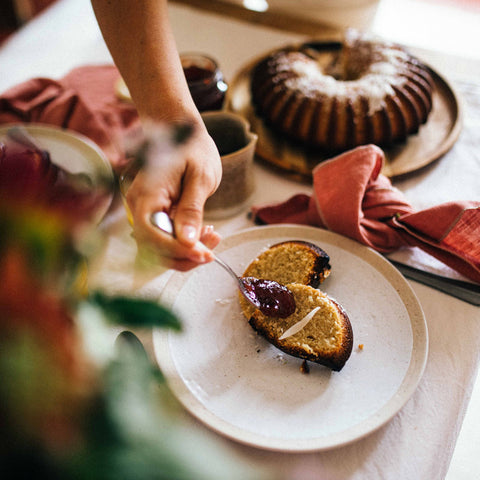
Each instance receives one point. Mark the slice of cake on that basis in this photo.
(293, 261)
(325, 337)
(319, 330)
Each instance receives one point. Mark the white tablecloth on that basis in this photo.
(418, 442)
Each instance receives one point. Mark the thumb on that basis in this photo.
(189, 217)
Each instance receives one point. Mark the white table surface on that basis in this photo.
(420, 441)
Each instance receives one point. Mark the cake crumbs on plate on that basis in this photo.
(304, 367)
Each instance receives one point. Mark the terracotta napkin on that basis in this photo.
(351, 197)
(83, 101)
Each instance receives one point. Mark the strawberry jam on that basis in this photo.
(271, 298)
(205, 81)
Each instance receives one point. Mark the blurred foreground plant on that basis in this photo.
(74, 404)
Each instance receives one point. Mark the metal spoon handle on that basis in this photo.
(162, 221)
(225, 266)
(281, 303)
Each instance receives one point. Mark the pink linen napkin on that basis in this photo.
(351, 197)
(84, 101)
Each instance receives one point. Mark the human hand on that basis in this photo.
(178, 181)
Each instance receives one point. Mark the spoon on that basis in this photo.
(271, 298)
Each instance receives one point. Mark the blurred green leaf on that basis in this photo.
(135, 432)
(135, 312)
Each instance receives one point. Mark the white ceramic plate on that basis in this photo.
(243, 387)
(70, 150)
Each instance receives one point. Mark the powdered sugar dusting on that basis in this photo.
(375, 82)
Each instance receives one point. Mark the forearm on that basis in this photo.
(139, 37)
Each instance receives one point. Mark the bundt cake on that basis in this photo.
(373, 92)
(322, 332)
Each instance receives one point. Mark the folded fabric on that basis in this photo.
(351, 197)
(84, 101)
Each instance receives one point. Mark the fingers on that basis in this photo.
(187, 225)
(209, 237)
(200, 252)
(189, 210)
(157, 247)
(171, 254)
(200, 180)
(180, 189)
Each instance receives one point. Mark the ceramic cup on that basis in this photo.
(236, 145)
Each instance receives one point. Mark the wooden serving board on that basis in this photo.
(433, 140)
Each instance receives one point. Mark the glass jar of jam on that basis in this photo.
(205, 81)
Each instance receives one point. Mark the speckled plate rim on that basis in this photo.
(402, 159)
(419, 352)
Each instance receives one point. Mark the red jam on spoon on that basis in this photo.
(271, 298)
